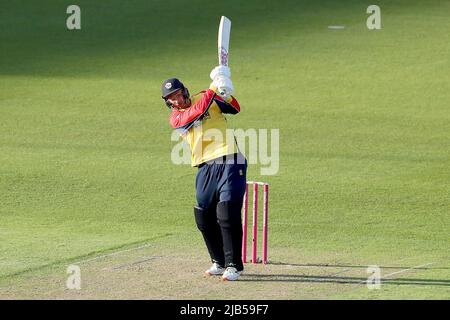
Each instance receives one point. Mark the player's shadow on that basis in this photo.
(327, 265)
(338, 278)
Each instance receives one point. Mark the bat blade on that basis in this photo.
(224, 40)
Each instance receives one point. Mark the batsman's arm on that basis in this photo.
(230, 106)
(186, 118)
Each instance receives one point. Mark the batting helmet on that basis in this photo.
(170, 86)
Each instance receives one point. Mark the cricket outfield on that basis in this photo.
(86, 176)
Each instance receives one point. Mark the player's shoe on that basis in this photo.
(231, 274)
(215, 270)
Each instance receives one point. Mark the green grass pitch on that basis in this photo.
(85, 169)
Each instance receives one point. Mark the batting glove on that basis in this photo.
(224, 86)
(220, 71)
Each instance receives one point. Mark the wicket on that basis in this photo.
(254, 258)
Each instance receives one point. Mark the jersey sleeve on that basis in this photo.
(185, 119)
(231, 106)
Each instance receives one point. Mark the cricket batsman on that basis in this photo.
(221, 176)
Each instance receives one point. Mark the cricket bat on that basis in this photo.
(223, 41)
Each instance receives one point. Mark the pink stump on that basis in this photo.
(265, 222)
(255, 225)
(244, 226)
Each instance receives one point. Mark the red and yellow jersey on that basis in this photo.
(204, 127)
